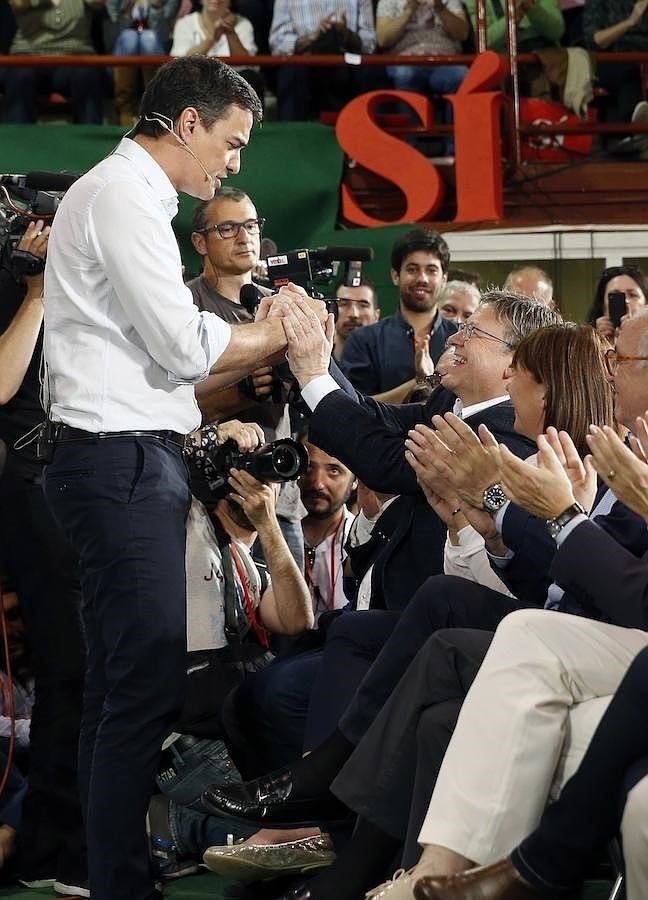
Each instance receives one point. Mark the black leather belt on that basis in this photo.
(65, 433)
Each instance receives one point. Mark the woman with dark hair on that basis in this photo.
(629, 280)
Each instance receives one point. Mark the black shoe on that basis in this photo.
(269, 801)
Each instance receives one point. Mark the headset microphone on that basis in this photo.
(158, 117)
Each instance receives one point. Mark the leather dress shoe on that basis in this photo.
(269, 801)
(499, 881)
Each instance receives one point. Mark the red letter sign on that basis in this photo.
(395, 160)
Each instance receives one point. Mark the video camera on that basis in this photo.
(278, 461)
(311, 269)
(23, 199)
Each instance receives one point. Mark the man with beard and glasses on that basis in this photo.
(382, 356)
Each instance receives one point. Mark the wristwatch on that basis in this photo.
(556, 525)
(494, 498)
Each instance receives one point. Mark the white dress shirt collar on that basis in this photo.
(151, 171)
(464, 411)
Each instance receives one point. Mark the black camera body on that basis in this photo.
(278, 461)
(23, 199)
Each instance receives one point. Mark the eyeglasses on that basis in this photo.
(228, 230)
(612, 360)
(469, 330)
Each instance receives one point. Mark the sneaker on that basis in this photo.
(72, 887)
(166, 863)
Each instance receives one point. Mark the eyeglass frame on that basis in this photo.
(611, 353)
(467, 330)
(260, 221)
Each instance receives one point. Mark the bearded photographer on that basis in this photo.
(233, 604)
(42, 567)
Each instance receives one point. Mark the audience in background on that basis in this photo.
(61, 29)
(381, 357)
(628, 280)
(617, 25)
(531, 282)
(458, 300)
(142, 29)
(215, 30)
(357, 306)
(318, 26)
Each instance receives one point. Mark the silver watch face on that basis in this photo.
(494, 498)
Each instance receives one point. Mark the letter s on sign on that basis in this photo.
(363, 140)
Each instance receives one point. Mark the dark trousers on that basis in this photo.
(391, 774)
(574, 829)
(85, 87)
(266, 718)
(353, 641)
(13, 796)
(123, 503)
(42, 567)
(443, 601)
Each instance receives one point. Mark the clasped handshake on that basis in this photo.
(456, 468)
(309, 329)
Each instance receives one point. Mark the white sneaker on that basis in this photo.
(400, 887)
(640, 113)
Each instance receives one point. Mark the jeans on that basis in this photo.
(131, 42)
(184, 774)
(193, 831)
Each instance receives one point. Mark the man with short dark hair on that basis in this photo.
(226, 233)
(357, 306)
(124, 346)
(381, 356)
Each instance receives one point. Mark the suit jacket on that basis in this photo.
(368, 436)
(608, 580)
(533, 567)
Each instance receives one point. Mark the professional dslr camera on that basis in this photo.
(209, 467)
(23, 199)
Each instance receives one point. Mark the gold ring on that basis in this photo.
(611, 475)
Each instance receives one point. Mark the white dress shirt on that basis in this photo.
(124, 343)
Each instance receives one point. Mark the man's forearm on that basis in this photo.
(293, 605)
(217, 403)
(249, 345)
(17, 345)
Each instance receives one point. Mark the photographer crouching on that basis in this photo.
(233, 603)
(41, 566)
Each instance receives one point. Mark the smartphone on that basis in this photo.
(617, 307)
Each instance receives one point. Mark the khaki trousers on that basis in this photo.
(523, 729)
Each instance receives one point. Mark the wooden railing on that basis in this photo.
(513, 60)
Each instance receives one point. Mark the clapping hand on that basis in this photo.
(624, 471)
(545, 489)
(469, 460)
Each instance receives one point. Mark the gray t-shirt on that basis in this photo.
(274, 418)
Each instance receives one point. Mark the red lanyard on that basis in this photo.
(259, 630)
(308, 566)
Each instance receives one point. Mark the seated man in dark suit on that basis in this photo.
(403, 749)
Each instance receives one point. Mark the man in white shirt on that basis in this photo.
(124, 347)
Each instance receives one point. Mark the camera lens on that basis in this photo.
(285, 461)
